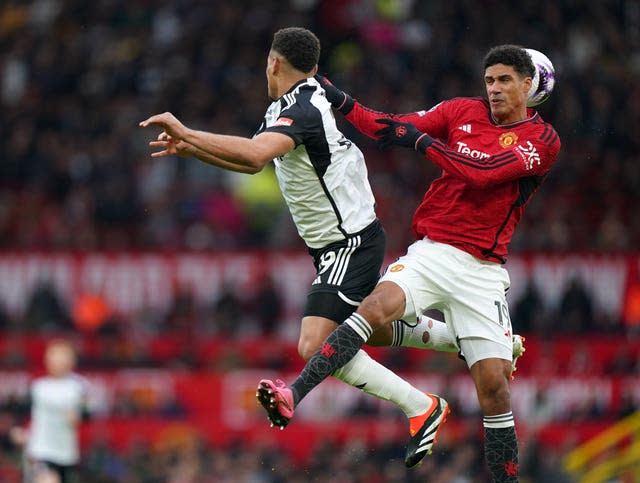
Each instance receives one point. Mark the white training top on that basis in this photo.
(324, 180)
(54, 402)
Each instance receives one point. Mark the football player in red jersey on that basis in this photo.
(494, 154)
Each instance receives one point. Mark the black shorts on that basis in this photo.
(346, 272)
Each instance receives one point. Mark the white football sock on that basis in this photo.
(373, 378)
(428, 333)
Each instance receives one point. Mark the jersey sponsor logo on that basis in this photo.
(463, 148)
(283, 121)
(466, 128)
(508, 139)
(529, 154)
(396, 268)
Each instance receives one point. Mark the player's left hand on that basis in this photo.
(171, 125)
(402, 134)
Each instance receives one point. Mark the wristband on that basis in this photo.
(347, 105)
(423, 142)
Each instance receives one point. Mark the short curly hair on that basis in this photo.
(299, 46)
(513, 55)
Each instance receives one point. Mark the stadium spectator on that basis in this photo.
(46, 310)
(576, 308)
(267, 306)
(90, 312)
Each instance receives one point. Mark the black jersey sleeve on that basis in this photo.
(299, 120)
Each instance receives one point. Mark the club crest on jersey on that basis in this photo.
(508, 139)
(529, 154)
(283, 121)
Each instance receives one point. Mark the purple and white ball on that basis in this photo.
(543, 80)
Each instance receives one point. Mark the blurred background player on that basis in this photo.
(58, 404)
(494, 155)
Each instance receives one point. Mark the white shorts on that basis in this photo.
(470, 292)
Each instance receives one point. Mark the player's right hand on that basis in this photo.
(169, 146)
(168, 122)
(402, 134)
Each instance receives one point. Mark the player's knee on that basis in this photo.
(307, 347)
(372, 309)
(496, 391)
(494, 394)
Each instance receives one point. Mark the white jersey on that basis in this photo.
(324, 180)
(54, 401)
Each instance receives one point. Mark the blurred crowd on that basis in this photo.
(76, 77)
(354, 460)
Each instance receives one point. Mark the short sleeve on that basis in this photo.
(296, 122)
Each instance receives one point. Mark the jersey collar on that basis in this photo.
(294, 87)
(533, 115)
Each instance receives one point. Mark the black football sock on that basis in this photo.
(338, 349)
(501, 448)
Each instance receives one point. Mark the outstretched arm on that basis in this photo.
(364, 118)
(176, 147)
(533, 158)
(235, 153)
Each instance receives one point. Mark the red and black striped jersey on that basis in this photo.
(489, 172)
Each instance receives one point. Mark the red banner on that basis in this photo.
(131, 282)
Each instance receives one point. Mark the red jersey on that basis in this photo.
(489, 172)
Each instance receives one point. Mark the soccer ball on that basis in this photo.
(543, 80)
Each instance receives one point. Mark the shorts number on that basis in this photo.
(503, 313)
(326, 260)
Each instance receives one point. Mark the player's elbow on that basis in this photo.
(256, 160)
(253, 169)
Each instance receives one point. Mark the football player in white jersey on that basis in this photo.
(58, 403)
